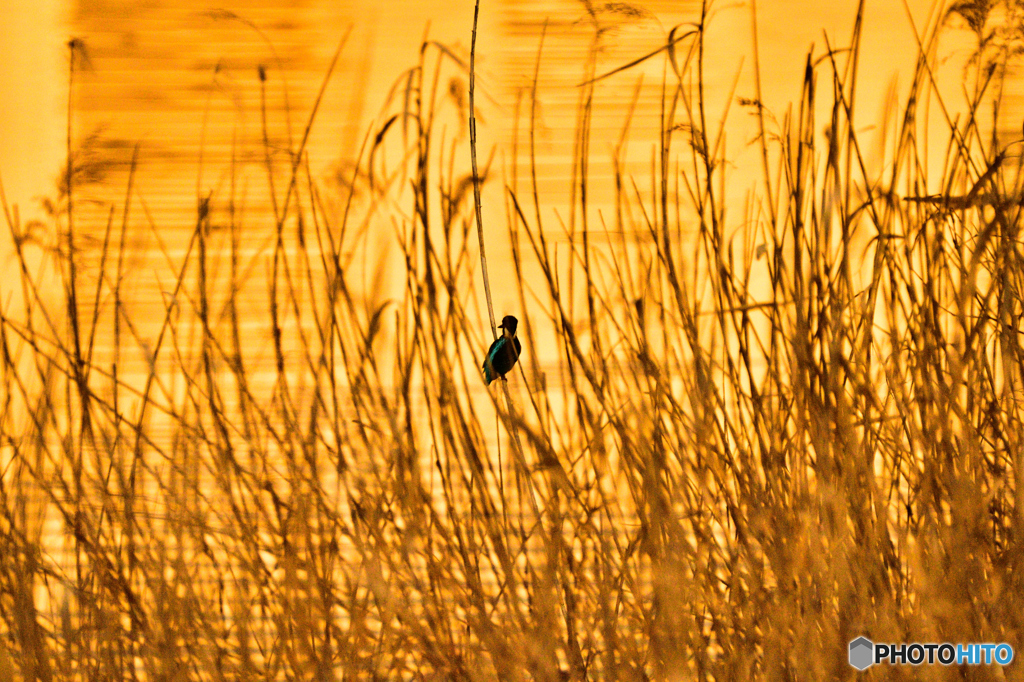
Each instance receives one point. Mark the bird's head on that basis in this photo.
(509, 324)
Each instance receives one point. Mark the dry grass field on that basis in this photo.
(724, 454)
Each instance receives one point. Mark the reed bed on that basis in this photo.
(726, 453)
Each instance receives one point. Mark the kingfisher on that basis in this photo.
(504, 352)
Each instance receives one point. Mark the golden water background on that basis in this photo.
(179, 84)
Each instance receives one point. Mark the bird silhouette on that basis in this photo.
(504, 352)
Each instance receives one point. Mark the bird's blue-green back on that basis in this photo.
(501, 357)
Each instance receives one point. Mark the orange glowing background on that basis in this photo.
(150, 69)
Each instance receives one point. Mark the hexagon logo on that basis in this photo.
(862, 653)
